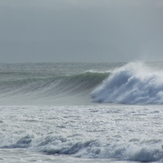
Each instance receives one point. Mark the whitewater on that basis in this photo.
(134, 83)
(81, 112)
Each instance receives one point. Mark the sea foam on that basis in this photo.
(92, 149)
(134, 83)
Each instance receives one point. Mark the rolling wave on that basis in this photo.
(134, 83)
(95, 149)
(64, 84)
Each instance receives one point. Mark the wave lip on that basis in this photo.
(133, 83)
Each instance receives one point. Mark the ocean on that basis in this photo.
(81, 112)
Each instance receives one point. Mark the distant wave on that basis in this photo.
(134, 83)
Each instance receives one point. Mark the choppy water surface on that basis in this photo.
(47, 114)
(122, 133)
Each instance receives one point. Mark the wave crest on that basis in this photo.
(134, 83)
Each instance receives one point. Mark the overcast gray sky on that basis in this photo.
(81, 30)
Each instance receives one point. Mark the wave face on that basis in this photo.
(53, 85)
(26, 82)
(134, 83)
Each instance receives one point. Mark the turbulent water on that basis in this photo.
(80, 112)
(134, 83)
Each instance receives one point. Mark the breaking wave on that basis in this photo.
(134, 83)
(58, 145)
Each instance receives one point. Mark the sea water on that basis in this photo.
(81, 112)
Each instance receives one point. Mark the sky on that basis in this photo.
(81, 30)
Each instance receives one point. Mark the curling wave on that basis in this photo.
(134, 83)
(64, 84)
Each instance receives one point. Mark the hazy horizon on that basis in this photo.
(81, 31)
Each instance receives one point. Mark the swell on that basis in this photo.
(51, 86)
